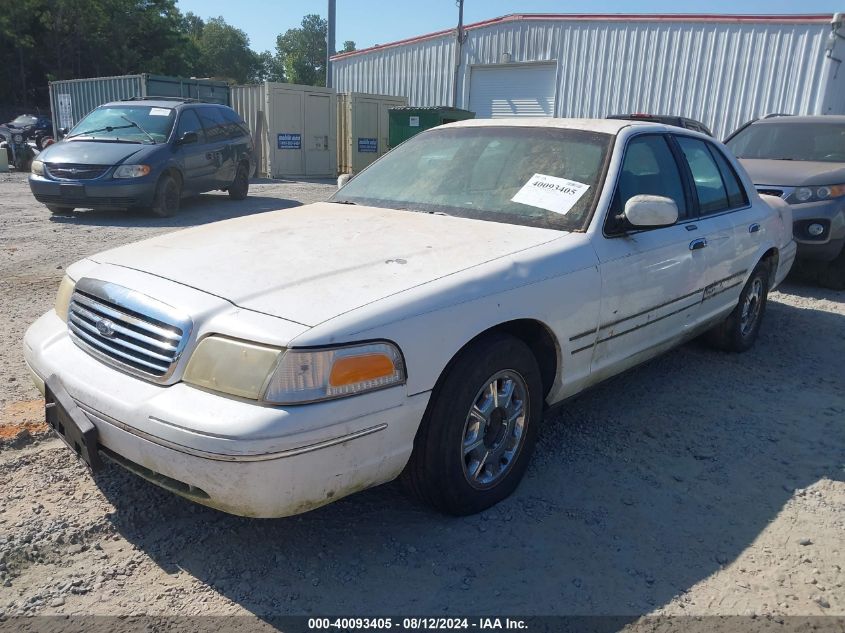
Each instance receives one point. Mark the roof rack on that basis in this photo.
(154, 98)
(772, 115)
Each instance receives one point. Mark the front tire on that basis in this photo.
(478, 433)
(739, 331)
(239, 189)
(167, 197)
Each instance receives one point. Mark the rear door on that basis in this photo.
(217, 150)
(198, 167)
(722, 207)
(652, 280)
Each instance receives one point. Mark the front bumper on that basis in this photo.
(831, 215)
(294, 459)
(100, 193)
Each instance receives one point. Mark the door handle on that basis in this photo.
(698, 244)
(753, 228)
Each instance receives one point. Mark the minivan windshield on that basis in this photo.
(801, 141)
(534, 176)
(24, 120)
(128, 124)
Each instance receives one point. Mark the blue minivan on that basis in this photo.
(146, 153)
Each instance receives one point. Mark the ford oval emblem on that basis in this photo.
(105, 328)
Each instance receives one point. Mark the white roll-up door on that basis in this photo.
(517, 90)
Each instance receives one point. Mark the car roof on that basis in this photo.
(607, 126)
(819, 118)
(159, 103)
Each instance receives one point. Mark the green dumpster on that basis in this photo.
(405, 122)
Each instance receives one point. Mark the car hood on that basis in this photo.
(91, 152)
(312, 263)
(793, 173)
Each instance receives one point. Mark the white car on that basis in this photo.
(419, 323)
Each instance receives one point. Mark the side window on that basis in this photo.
(712, 195)
(648, 168)
(736, 191)
(236, 128)
(212, 121)
(188, 122)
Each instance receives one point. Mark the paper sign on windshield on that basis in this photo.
(159, 111)
(558, 195)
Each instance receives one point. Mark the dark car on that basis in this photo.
(666, 119)
(148, 153)
(802, 160)
(34, 127)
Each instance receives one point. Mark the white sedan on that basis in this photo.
(419, 323)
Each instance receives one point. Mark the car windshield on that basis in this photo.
(534, 176)
(823, 142)
(24, 120)
(132, 124)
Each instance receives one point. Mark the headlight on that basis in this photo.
(131, 171)
(815, 194)
(63, 297)
(234, 367)
(37, 168)
(293, 376)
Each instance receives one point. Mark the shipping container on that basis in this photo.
(363, 128)
(250, 101)
(719, 69)
(301, 130)
(72, 99)
(409, 121)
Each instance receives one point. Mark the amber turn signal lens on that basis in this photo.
(353, 369)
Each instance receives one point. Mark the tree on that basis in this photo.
(302, 52)
(224, 51)
(348, 46)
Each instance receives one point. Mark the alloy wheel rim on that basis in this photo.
(751, 307)
(494, 429)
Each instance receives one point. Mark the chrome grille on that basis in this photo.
(76, 172)
(127, 329)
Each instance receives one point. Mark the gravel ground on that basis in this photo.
(701, 483)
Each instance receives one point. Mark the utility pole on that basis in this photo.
(459, 40)
(330, 43)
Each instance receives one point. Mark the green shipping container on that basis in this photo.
(405, 122)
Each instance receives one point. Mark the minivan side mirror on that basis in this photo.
(63, 131)
(645, 211)
(187, 138)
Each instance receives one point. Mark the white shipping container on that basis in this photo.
(719, 69)
(363, 128)
(250, 102)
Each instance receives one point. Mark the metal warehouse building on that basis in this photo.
(722, 70)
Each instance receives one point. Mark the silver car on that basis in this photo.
(802, 160)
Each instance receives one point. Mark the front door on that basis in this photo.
(652, 280)
(319, 159)
(197, 164)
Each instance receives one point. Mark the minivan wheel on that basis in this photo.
(833, 275)
(239, 188)
(476, 438)
(59, 210)
(167, 197)
(739, 331)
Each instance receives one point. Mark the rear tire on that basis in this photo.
(167, 197)
(473, 447)
(59, 210)
(739, 331)
(239, 189)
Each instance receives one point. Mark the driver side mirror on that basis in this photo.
(343, 179)
(187, 138)
(650, 212)
(63, 131)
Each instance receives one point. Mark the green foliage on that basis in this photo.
(48, 40)
(302, 52)
(348, 47)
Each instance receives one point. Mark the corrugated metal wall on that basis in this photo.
(423, 72)
(250, 102)
(721, 72)
(87, 94)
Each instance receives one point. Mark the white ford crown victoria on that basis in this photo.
(419, 323)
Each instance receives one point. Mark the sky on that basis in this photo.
(370, 22)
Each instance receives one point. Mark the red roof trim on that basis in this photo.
(607, 17)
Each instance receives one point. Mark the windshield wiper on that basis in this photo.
(108, 128)
(343, 202)
(149, 136)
